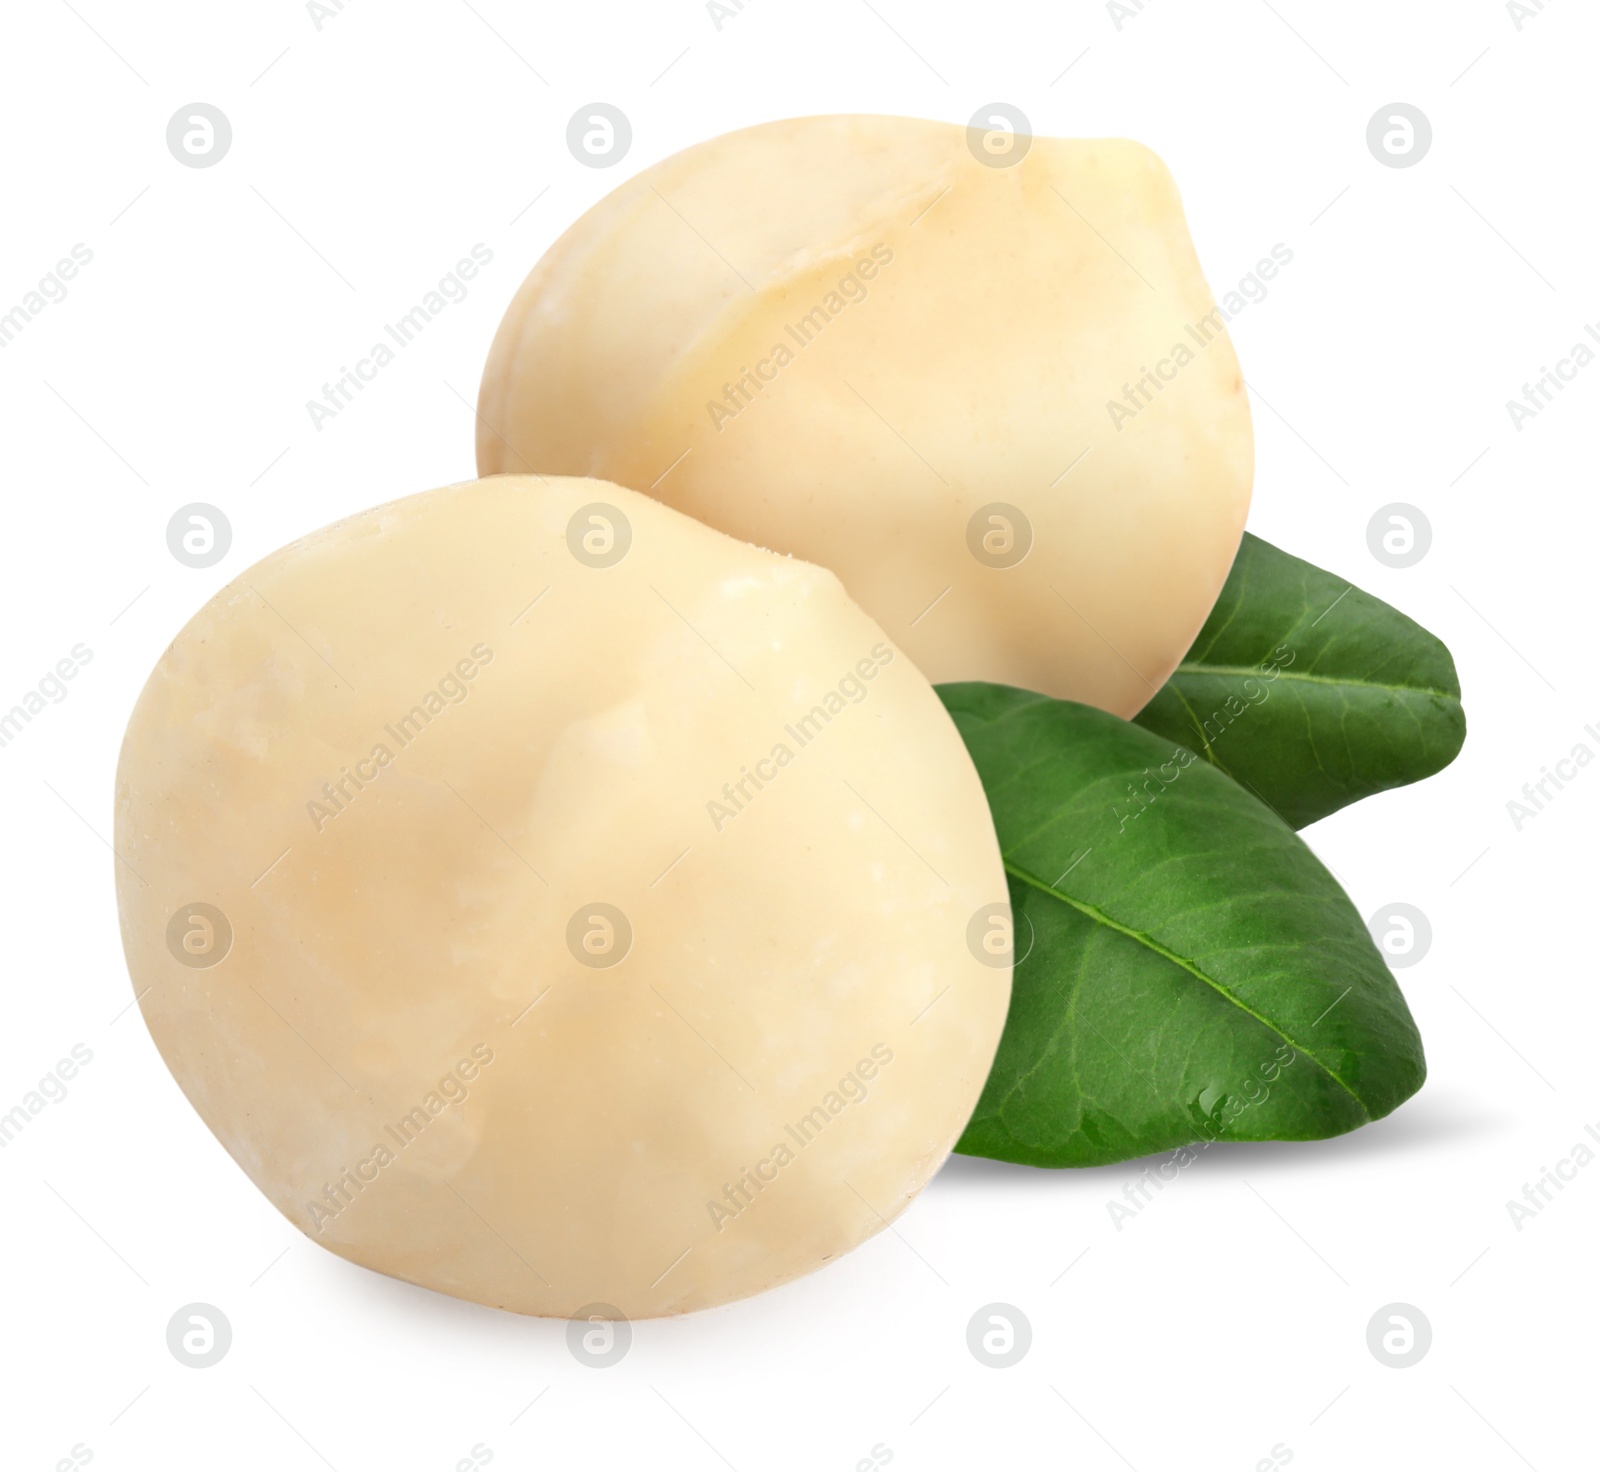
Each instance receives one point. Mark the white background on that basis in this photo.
(1231, 1315)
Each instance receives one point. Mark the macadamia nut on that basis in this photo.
(552, 901)
(984, 382)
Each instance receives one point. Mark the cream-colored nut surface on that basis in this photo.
(551, 901)
(849, 339)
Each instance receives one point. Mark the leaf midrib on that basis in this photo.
(1336, 681)
(1151, 943)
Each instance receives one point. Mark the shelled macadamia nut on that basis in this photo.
(557, 903)
(977, 374)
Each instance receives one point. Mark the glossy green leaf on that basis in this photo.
(1186, 968)
(1309, 692)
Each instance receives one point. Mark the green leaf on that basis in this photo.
(1186, 968)
(1309, 692)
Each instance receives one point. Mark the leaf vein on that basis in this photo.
(1152, 944)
